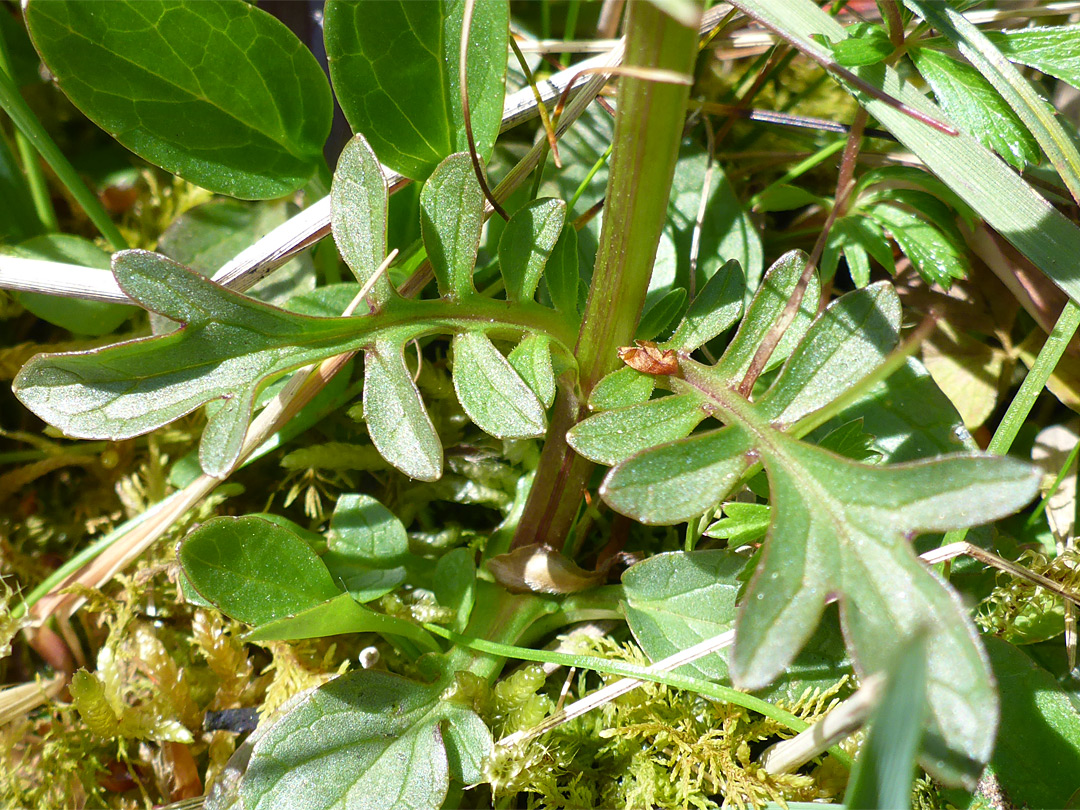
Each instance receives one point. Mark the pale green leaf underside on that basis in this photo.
(358, 204)
(451, 218)
(492, 393)
(612, 436)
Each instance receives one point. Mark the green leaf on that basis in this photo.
(451, 218)
(395, 69)
(883, 773)
(783, 197)
(531, 358)
(838, 527)
(254, 570)
(622, 387)
(491, 392)
(366, 739)
(659, 316)
(358, 204)
(23, 59)
(561, 275)
(714, 309)
(396, 417)
(866, 44)
(221, 93)
(455, 585)
(1054, 51)
(976, 107)
(677, 600)
(80, 317)
(678, 481)
(935, 256)
(768, 303)
(614, 435)
(742, 523)
(336, 616)
(848, 341)
(1037, 757)
(526, 243)
(366, 532)
(228, 349)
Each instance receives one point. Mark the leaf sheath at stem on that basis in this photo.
(648, 127)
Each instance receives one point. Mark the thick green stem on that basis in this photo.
(648, 128)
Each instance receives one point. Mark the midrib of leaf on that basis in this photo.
(280, 136)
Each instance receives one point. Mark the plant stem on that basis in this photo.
(648, 128)
(27, 123)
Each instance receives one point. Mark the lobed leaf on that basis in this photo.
(222, 94)
(395, 69)
(229, 347)
(1054, 51)
(358, 207)
(622, 387)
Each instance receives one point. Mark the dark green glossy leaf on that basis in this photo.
(396, 417)
(1037, 757)
(220, 93)
(622, 387)
(975, 106)
(531, 358)
(229, 347)
(561, 275)
(23, 59)
(848, 341)
(451, 218)
(611, 436)
(525, 245)
(395, 68)
(714, 309)
(358, 204)
(766, 307)
(337, 615)
(366, 739)
(657, 318)
(253, 570)
(80, 317)
(455, 585)
(883, 774)
(491, 392)
(365, 531)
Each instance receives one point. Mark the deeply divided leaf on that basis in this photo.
(491, 391)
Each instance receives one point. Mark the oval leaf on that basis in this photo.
(408, 105)
(254, 570)
(612, 436)
(526, 244)
(451, 218)
(714, 309)
(491, 392)
(397, 420)
(358, 202)
(220, 93)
